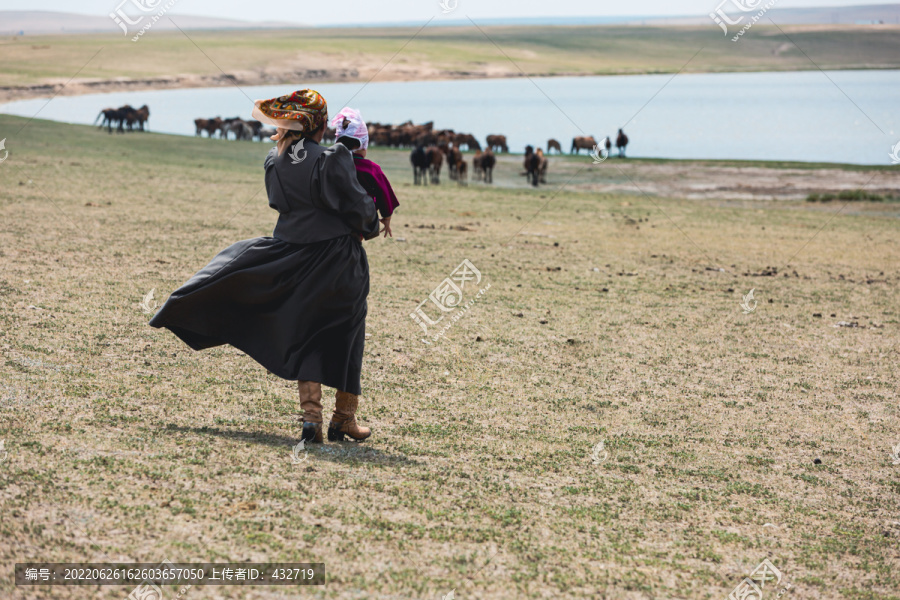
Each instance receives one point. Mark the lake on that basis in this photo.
(837, 116)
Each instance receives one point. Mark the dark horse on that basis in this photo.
(420, 162)
(621, 143)
(483, 165)
(533, 165)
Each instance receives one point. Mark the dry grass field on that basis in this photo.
(728, 436)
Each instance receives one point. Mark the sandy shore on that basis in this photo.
(329, 74)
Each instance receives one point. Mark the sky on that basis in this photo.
(352, 12)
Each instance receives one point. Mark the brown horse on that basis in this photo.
(582, 142)
(477, 171)
(461, 171)
(210, 126)
(142, 115)
(498, 142)
(543, 164)
(435, 161)
(468, 140)
(551, 144)
(483, 165)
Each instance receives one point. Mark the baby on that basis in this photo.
(351, 131)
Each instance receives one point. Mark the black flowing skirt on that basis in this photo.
(299, 310)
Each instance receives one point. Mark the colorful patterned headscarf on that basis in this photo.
(303, 110)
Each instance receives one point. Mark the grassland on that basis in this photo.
(288, 56)
(728, 437)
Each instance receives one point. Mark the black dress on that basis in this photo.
(295, 302)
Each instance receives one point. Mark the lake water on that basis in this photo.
(838, 116)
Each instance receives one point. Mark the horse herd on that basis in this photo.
(122, 117)
(589, 143)
(427, 162)
(430, 148)
(239, 128)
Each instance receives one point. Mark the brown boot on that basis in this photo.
(311, 404)
(343, 421)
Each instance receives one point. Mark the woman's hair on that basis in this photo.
(285, 137)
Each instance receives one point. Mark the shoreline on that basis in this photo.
(324, 75)
(84, 87)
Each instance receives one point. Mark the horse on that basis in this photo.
(143, 115)
(498, 142)
(477, 171)
(468, 140)
(535, 165)
(130, 117)
(621, 143)
(527, 162)
(109, 116)
(226, 126)
(453, 158)
(485, 162)
(119, 117)
(240, 129)
(543, 164)
(582, 142)
(461, 171)
(210, 126)
(255, 127)
(551, 144)
(435, 161)
(419, 160)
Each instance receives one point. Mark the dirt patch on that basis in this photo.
(673, 180)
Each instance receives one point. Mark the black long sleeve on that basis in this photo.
(340, 192)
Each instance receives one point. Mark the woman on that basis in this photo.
(294, 302)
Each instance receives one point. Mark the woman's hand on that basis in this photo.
(387, 227)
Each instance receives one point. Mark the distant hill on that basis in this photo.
(38, 22)
(833, 15)
(34, 22)
(843, 15)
